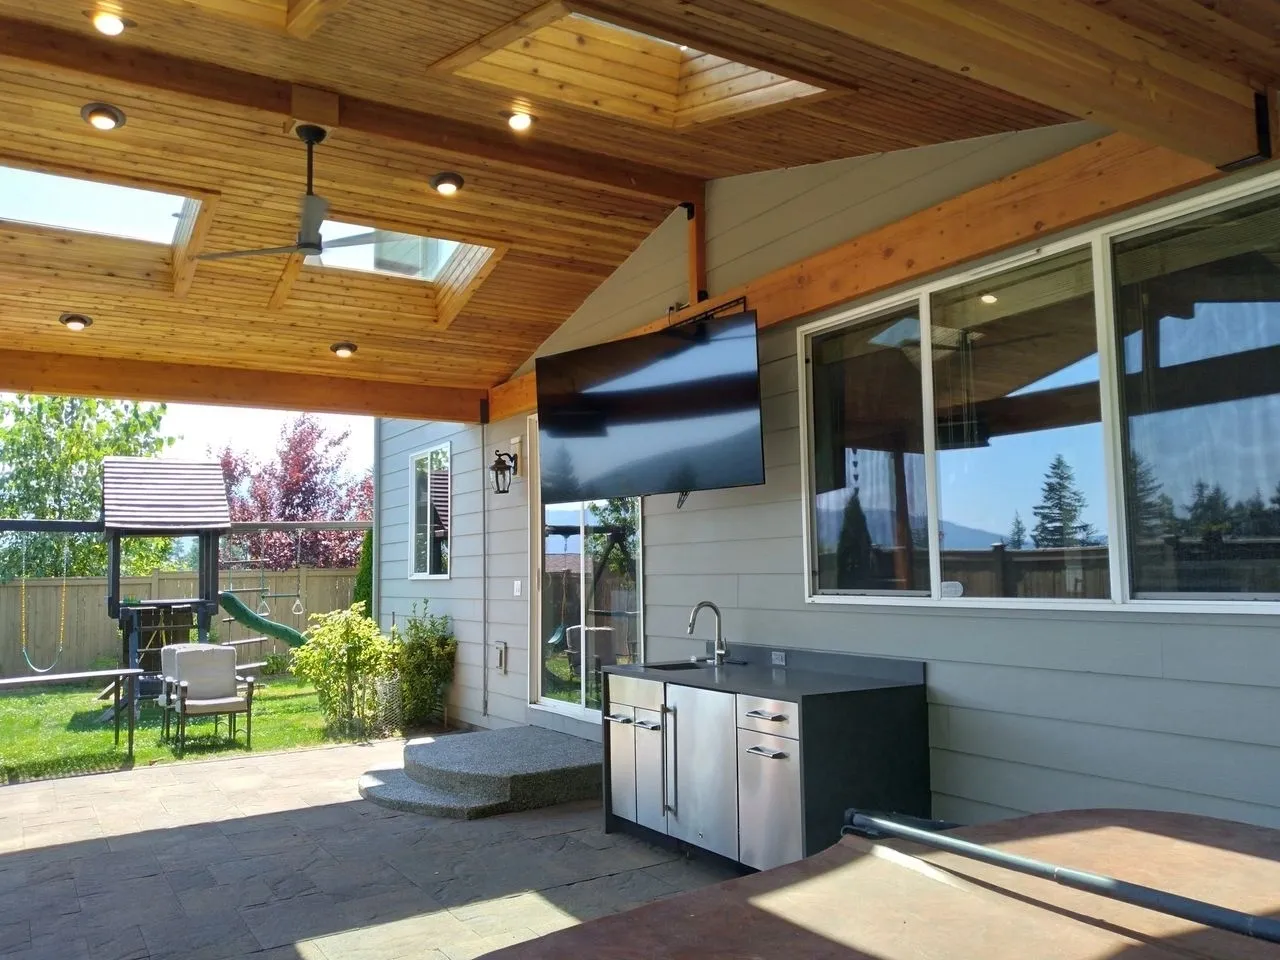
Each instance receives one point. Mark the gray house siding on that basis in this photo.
(1028, 710)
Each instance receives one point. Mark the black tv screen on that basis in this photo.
(667, 412)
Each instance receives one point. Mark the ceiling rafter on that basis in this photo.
(83, 55)
(305, 17)
(1066, 55)
(194, 224)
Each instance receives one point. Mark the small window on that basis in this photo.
(1198, 329)
(432, 487)
(65, 203)
(384, 252)
(868, 514)
(1022, 491)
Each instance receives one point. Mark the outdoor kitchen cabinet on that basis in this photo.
(704, 757)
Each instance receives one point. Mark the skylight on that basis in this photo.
(389, 253)
(45, 200)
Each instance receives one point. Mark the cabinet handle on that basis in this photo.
(669, 771)
(767, 753)
(766, 715)
(648, 725)
(619, 718)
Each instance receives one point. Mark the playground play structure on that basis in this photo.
(145, 497)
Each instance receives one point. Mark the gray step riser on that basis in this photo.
(430, 805)
(480, 784)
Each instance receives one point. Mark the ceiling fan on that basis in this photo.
(312, 212)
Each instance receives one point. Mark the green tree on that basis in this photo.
(1059, 516)
(1017, 538)
(613, 535)
(51, 452)
(1209, 514)
(855, 563)
(1154, 515)
(362, 592)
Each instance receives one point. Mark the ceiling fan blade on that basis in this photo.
(312, 211)
(359, 240)
(236, 254)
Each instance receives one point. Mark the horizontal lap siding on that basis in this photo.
(462, 596)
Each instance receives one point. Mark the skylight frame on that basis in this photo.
(352, 259)
(87, 199)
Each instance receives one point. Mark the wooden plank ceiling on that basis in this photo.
(206, 85)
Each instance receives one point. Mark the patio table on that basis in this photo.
(121, 677)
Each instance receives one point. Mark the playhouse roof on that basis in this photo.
(156, 496)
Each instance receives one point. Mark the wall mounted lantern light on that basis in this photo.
(503, 469)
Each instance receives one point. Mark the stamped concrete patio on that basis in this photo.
(275, 856)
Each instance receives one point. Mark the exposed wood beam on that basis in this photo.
(81, 55)
(508, 33)
(188, 383)
(696, 212)
(309, 105)
(1063, 54)
(304, 17)
(188, 240)
(462, 276)
(1096, 180)
(284, 285)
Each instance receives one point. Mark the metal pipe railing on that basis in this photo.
(1161, 901)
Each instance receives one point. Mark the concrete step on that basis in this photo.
(392, 789)
(492, 771)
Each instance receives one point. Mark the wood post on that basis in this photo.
(696, 212)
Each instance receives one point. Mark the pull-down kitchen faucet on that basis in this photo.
(721, 648)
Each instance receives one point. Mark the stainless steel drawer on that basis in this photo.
(779, 718)
(770, 811)
(635, 693)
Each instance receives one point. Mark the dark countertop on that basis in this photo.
(759, 680)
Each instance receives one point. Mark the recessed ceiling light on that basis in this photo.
(519, 121)
(988, 298)
(344, 349)
(102, 116)
(447, 183)
(75, 321)
(106, 22)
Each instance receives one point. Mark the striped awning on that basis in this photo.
(145, 495)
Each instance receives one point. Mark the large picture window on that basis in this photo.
(432, 488)
(1198, 327)
(1095, 422)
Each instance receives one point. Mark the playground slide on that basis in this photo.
(231, 603)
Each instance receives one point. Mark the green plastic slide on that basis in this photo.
(236, 609)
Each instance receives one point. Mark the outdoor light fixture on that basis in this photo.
(75, 321)
(519, 121)
(447, 184)
(988, 298)
(503, 469)
(344, 349)
(102, 116)
(108, 23)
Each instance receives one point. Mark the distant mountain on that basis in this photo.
(880, 522)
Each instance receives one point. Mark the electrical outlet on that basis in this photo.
(517, 588)
(778, 658)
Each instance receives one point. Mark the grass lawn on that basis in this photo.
(56, 733)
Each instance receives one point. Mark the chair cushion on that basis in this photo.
(217, 705)
(209, 671)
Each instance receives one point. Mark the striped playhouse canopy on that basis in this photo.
(142, 495)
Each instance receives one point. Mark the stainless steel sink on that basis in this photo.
(682, 665)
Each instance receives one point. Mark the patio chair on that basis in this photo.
(207, 686)
(167, 699)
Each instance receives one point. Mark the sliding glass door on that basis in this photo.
(589, 605)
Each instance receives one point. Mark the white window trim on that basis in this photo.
(446, 446)
(1098, 240)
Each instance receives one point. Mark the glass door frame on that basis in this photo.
(537, 539)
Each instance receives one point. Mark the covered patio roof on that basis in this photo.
(635, 107)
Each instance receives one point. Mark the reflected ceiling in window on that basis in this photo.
(385, 252)
(105, 209)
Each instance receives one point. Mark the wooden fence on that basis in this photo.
(90, 637)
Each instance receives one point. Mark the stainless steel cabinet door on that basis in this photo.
(651, 809)
(702, 766)
(622, 761)
(769, 812)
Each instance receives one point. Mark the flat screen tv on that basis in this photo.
(668, 412)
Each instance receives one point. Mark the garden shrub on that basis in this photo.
(362, 592)
(276, 664)
(426, 649)
(344, 658)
